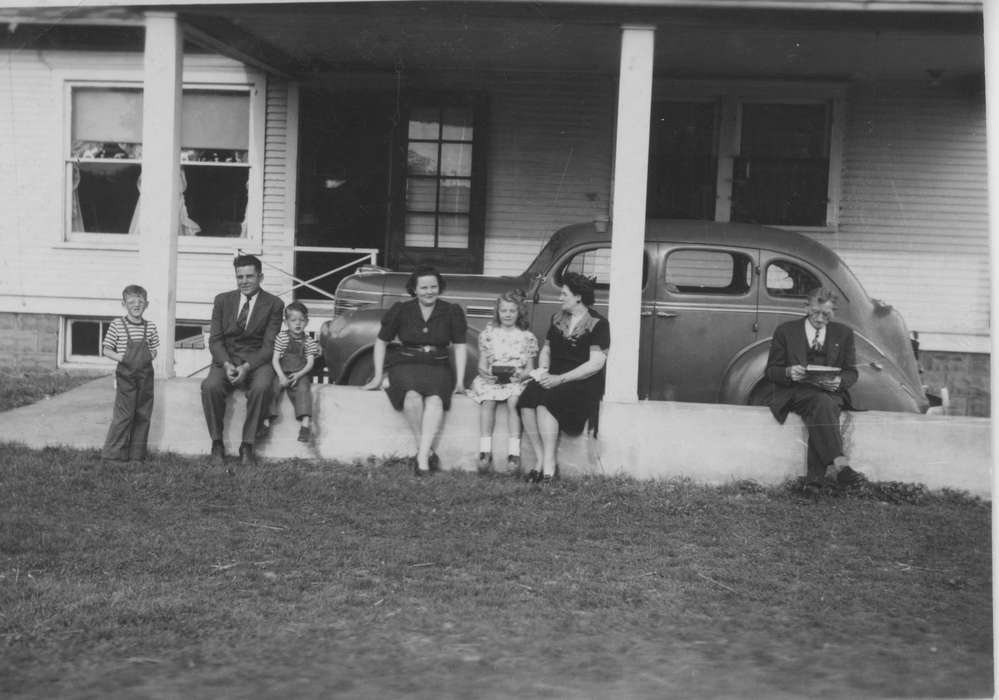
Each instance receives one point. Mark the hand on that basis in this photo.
(239, 375)
(796, 373)
(374, 384)
(550, 381)
(829, 383)
(283, 380)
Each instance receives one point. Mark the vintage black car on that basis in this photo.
(713, 293)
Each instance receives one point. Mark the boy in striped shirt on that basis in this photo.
(295, 353)
(132, 342)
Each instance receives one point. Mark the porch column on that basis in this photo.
(631, 169)
(159, 215)
(991, 35)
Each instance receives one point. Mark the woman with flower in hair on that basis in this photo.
(569, 381)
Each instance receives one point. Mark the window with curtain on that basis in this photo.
(104, 165)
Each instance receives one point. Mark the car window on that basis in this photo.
(708, 272)
(595, 263)
(787, 279)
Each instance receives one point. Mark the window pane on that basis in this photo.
(419, 231)
(456, 195)
(422, 159)
(708, 272)
(216, 200)
(456, 159)
(786, 279)
(683, 161)
(421, 194)
(424, 123)
(785, 131)
(592, 263)
(457, 124)
(107, 114)
(215, 120)
(104, 196)
(85, 338)
(453, 232)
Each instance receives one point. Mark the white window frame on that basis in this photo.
(65, 351)
(730, 97)
(217, 79)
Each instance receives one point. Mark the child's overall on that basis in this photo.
(128, 434)
(292, 361)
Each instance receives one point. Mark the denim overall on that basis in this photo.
(128, 433)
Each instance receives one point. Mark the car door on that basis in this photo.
(593, 260)
(704, 313)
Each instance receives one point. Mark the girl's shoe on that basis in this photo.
(434, 462)
(513, 465)
(485, 463)
(534, 477)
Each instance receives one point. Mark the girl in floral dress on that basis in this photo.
(507, 351)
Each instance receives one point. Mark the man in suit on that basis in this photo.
(815, 340)
(245, 323)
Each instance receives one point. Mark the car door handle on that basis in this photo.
(666, 314)
(645, 313)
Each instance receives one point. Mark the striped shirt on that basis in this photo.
(281, 344)
(121, 329)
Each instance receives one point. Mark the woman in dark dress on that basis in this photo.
(420, 377)
(570, 376)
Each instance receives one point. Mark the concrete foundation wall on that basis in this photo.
(29, 341)
(647, 440)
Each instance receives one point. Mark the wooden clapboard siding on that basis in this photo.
(550, 155)
(913, 213)
(278, 240)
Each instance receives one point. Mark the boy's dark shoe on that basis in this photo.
(218, 453)
(513, 464)
(305, 434)
(246, 456)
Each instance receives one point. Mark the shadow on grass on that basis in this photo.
(311, 579)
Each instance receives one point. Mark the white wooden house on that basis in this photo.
(464, 134)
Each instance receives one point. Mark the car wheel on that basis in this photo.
(361, 371)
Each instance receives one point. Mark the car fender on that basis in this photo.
(880, 385)
(348, 337)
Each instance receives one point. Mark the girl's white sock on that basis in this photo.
(514, 447)
(486, 445)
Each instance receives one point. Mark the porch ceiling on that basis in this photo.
(381, 38)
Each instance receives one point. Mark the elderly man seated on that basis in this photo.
(810, 369)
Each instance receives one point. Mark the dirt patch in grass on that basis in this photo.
(21, 388)
(310, 580)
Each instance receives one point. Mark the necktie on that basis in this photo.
(244, 313)
(816, 344)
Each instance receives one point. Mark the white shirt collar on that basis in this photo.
(810, 333)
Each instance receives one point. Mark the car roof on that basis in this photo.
(725, 233)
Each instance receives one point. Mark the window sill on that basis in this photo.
(101, 242)
(185, 244)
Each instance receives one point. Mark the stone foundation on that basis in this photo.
(29, 341)
(965, 375)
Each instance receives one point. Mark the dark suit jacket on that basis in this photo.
(790, 347)
(255, 344)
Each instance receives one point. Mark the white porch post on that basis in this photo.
(159, 214)
(991, 32)
(631, 168)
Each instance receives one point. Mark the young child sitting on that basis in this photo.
(132, 342)
(506, 356)
(295, 353)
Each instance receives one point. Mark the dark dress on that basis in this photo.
(422, 363)
(572, 403)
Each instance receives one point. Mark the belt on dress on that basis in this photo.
(425, 348)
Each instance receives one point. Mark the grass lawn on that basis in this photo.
(19, 388)
(300, 580)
